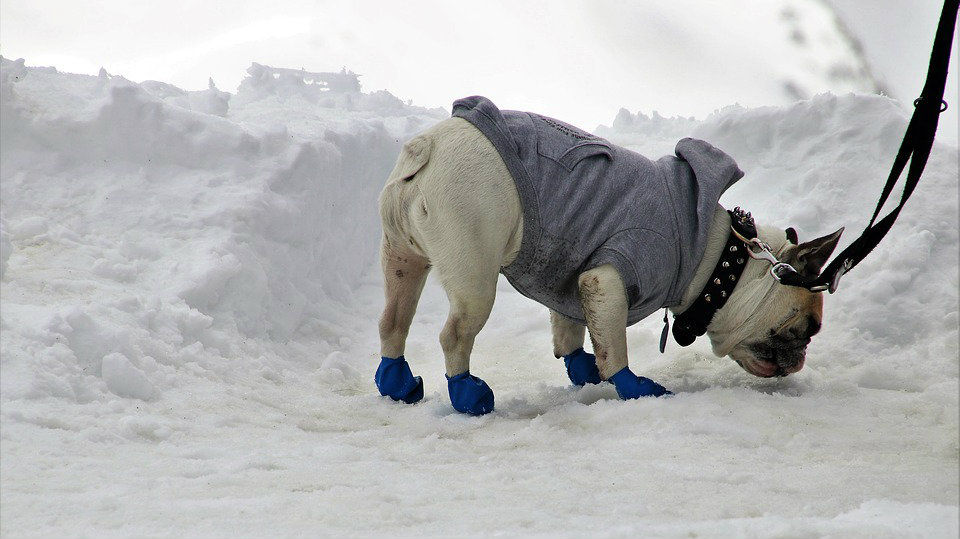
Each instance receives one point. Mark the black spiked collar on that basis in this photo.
(693, 322)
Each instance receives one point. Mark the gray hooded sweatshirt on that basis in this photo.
(587, 202)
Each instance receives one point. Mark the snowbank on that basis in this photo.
(189, 296)
(141, 226)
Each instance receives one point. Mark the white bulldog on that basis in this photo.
(452, 204)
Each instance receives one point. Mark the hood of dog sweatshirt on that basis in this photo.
(587, 202)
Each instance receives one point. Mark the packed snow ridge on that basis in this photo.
(189, 298)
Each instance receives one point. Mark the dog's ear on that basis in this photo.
(792, 236)
(813, 254)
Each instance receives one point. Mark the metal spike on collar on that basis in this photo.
(745, 217)
(693, 322)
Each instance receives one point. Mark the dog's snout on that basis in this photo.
(779, 356)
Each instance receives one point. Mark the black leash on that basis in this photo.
(915, 148)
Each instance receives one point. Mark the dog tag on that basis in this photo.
(663, 334)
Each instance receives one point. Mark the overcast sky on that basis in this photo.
(576, 60)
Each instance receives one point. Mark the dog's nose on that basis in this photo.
(813, 327)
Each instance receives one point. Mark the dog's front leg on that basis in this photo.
(568, 344)
(604, 302)
(567, 334)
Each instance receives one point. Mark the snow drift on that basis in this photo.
(189, 295)
(182, 227)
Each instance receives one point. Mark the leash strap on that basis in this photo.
(915, 148)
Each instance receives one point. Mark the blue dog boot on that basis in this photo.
(631, 386)
(395, 380)
(469, 394)
(582, 367)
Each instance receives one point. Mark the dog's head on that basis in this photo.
(766, 326)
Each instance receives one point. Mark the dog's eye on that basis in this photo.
(786, 321)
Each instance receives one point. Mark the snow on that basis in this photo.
(897, 41)
(190, 290)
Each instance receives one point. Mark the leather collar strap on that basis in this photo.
(693, 322)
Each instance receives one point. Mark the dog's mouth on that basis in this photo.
(765, 369)
(778, 357)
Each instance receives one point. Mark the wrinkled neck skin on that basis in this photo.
(716, 240)
(732, 324)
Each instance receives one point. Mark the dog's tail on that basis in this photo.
(400, 195)
(413, 157)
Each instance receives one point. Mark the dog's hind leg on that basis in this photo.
(404, 274)
(471, 287)
(604, 302)
(465, 253)
(462, 211)
(568, 344)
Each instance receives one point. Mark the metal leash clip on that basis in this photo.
(779, 270)
(835, 282)
(782, 271)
